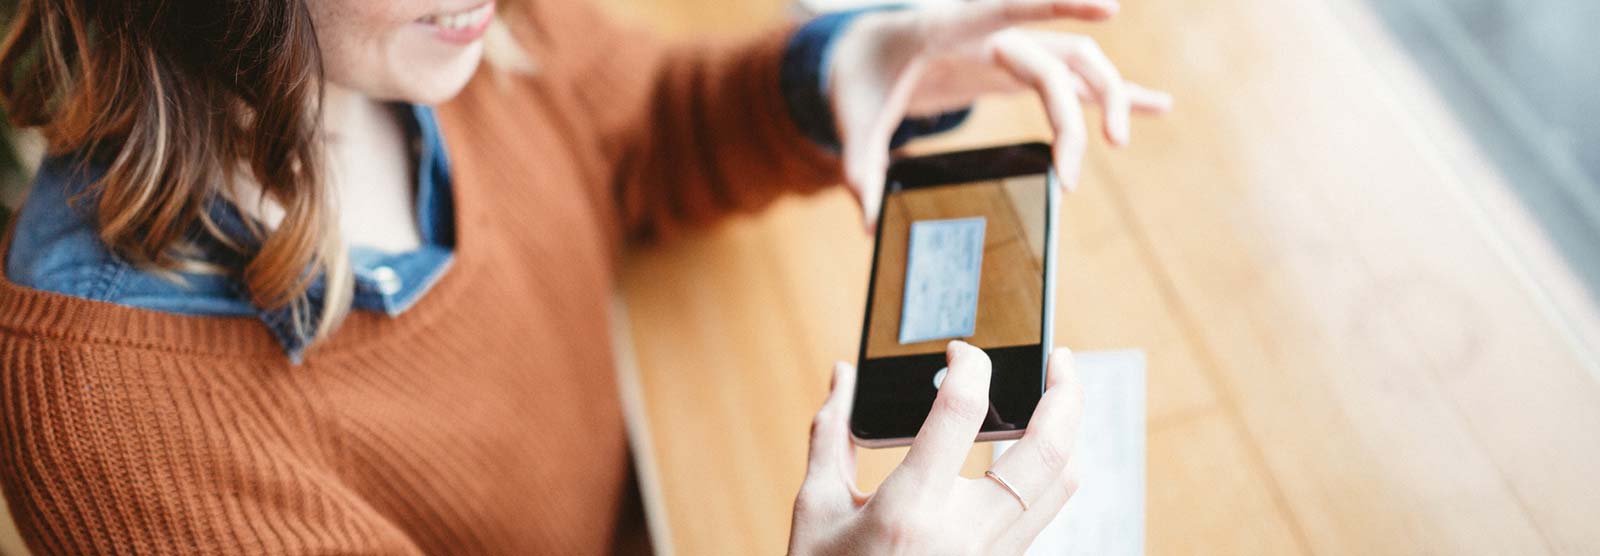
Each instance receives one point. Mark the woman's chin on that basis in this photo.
(441, 80)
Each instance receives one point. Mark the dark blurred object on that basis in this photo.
(1521, 76)
(13, 174)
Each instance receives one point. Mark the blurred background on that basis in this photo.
(1521, 78)
(19, 152)
(1362, 258)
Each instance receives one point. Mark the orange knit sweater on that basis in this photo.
(483, 420)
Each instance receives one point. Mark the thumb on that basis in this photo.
(831, 466)
(867, 115)
(865, 169)
(866, 148)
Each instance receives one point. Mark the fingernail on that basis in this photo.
(954, 345)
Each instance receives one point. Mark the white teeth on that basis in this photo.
(461, 20)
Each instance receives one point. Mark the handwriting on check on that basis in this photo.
(942, 271)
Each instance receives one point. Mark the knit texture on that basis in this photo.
(485, 419)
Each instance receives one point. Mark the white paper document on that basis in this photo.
(943, 265)
(815, 7)
(1106, 516)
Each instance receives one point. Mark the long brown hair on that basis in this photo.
(179, 100)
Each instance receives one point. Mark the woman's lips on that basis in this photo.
(461, 27)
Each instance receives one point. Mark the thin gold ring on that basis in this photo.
(1003, 484)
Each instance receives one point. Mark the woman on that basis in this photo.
(263, 297)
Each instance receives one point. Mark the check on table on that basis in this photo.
(1106, 516)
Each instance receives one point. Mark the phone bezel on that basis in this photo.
(948, 169)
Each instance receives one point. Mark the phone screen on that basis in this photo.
(958, 257)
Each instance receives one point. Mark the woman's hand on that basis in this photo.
(919, 62)
(925, 506)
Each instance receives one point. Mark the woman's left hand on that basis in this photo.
(923, 61)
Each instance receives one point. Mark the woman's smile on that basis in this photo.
(460, 27)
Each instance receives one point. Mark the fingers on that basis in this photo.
(1037, 462)
(1030, 63)
(1062, 371)
(1101, 75)
(1102, 82)
(1021, 532)
(958, 411)
(1097, 80)
(830, 472)
(1149, 101)
(1141, 100)
(975, 19)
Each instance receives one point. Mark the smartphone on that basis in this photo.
(965, 250)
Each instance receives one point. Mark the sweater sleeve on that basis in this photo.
(694, 129)
(99, 463)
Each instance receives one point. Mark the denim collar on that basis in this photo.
(387, 283)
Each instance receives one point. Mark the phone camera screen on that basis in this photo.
(960, 261)
(956, 261)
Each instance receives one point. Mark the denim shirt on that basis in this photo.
(56, 247)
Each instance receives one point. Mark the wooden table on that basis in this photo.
(1358, 342)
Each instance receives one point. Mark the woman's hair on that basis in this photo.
(179, 101)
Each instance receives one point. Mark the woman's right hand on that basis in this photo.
(925, 506)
